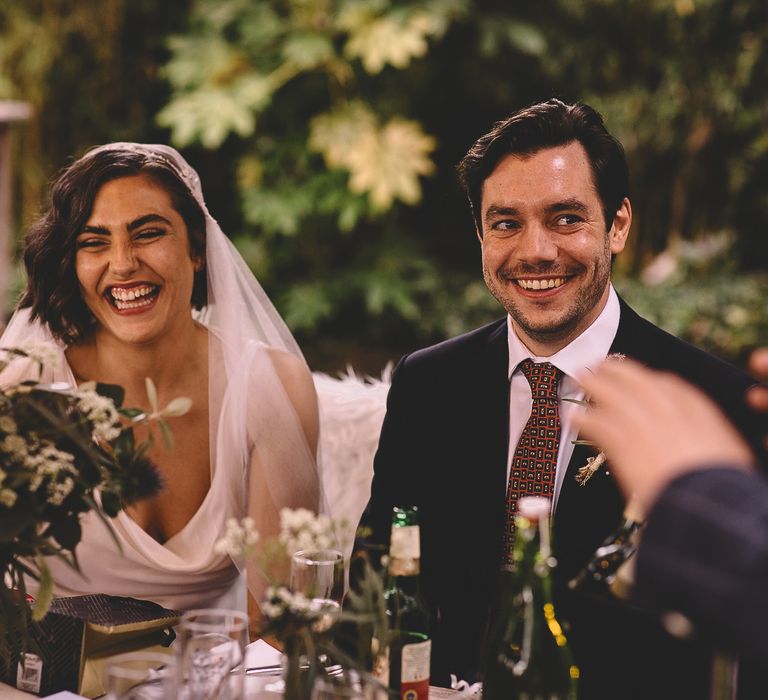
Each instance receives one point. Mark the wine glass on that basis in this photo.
(319, 575)
(211, 654)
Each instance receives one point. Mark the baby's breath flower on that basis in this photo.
(280, 601)
(14, 445)
(320, 525)
(100, 411)
(44, 353)
(271, 611)
(301, 529)
(8, 497)
(54, 455)
(50, 461)
(295, 518)
(57, 492)
(46, 463)
(239, 540)
(7, 424)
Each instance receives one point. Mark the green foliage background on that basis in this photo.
(326, 133)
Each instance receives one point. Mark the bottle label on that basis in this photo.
(414, 673)
(405, 543)
(29, 673)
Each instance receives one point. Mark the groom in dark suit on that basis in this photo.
(549, 194)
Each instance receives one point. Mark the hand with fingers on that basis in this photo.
(654, 426)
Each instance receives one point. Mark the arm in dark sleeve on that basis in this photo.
(704, 553)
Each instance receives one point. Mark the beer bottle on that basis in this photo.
(404, 665)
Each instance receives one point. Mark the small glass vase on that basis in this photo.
(300, 665)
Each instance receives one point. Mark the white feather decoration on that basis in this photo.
(351, 413)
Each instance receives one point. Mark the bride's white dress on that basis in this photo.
(185, 571)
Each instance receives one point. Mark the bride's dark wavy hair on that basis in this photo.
(53, 292)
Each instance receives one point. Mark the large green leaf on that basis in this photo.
(208, 115)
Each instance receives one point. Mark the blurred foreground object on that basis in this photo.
(703, 558)
(526, 654)
(10, 112)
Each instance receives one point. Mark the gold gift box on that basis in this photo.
(68, 649)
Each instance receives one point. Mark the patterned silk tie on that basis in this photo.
(535, 459)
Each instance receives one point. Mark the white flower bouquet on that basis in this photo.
(63, 452)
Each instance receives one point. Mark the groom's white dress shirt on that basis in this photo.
(584, 352)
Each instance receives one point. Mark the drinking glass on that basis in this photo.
(141, 675)
(319, 575)
(211, 654)
(351, 685)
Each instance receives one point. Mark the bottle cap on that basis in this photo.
(534, 507)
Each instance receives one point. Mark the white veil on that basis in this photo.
(254, 429)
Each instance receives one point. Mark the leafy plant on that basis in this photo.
(283, 104)
(700, 295)
(330, 154)
(309, 630)
(63, 452)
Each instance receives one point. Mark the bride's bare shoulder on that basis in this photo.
(300, 388)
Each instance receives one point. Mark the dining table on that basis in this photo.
(263, 663)
(259, 656)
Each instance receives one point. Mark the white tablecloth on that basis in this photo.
(258, 653)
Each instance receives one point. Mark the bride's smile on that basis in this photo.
(129, 298)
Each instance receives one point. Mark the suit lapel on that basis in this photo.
(632, 338)
(587, 514)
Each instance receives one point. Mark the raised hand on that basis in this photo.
(654, 426)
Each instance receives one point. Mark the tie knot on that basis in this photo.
(543, 377)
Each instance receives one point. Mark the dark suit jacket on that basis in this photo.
(705, 553)
(443, 447)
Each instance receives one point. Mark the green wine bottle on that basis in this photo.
(526, 654)
(404, 666)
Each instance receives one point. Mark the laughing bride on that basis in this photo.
(130, 277)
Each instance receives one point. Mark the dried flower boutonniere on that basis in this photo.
(593, 464)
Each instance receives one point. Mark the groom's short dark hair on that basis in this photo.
(546, 125)
(50, 246)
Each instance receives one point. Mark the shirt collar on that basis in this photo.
(584, 352)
